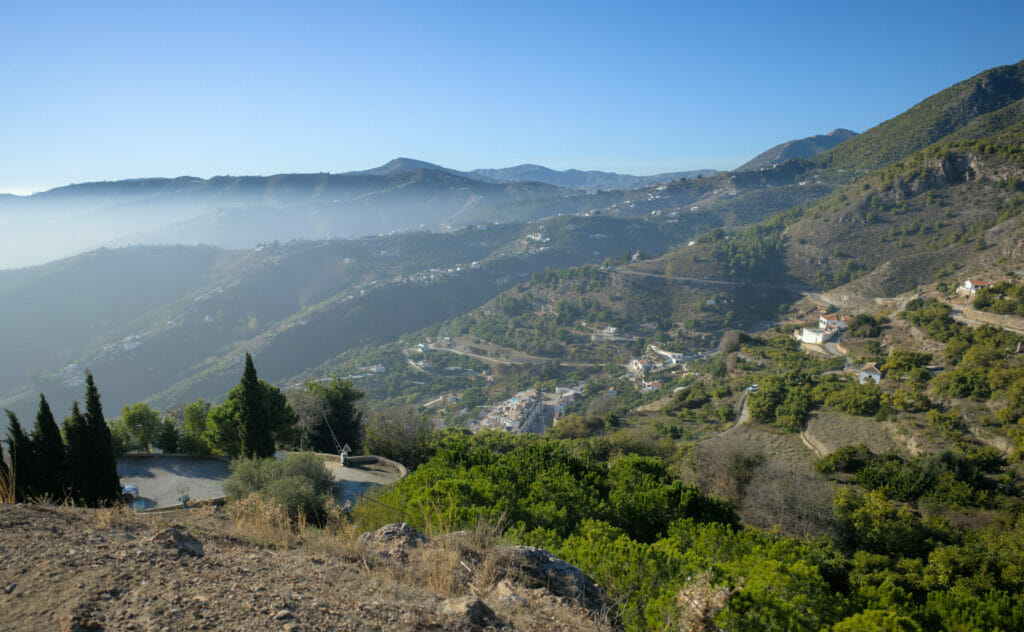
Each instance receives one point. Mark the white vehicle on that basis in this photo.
(130, 493)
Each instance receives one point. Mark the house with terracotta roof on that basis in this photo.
(871, 372)
(971, 286)
(834, 321)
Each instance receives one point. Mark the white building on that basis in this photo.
(834, 321)
(870, 372)
(816, 336)
(971, 286)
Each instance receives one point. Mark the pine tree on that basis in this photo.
(255, 430)
(107, 485)
(24, 464)
(50, 452)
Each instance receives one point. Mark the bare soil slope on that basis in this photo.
(83, 569)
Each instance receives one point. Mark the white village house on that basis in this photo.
(834, 321)
(871, 372)
(815, 336)
(971, 286)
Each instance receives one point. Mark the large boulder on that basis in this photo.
(394, 535)
(176, 538)
(469, 612)
(538, 568)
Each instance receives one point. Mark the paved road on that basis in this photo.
(162, 479)
(355, 479)
(521, 358)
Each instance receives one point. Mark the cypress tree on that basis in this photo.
(255, 431)
(6, 493)
(50, 452)
(79, 456)
(23, 460)
(107, 484)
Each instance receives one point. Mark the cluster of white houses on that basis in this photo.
(829, 326)
(513, 414)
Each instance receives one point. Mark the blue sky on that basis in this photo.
(103, 91)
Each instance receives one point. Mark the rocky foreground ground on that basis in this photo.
(69, 569)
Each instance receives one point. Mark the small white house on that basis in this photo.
(834, 321)
(816, 336)
(971, 286)
(871, 372)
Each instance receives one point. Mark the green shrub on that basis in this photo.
(848, 459)
(300, 483)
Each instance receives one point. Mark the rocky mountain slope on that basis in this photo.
(946, 115)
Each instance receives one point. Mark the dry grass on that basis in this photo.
(6, 487)
(453, 562)
(114, 516)
(773, 443)
(835, 429)
(265, 522)
(262, 521)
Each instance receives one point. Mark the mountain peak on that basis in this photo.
(799, 148)
(841, 132)
(402, 165)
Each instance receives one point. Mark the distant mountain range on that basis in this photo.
(242, 211)
(801, 148)
(585, 180)
(570, 179)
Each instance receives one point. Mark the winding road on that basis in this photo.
(700, 281)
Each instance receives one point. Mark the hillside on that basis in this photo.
(937, 213)
(940, 116)
(800, 148)
(295, 306)
(88, 569)
(51, 312)
(737, 197)
(585, 180)
(941, 215)
(241, 211)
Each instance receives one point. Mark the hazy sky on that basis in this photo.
(109, 90)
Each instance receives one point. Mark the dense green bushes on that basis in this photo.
(1001, 298)
(961, 478)
(785, 400)
(751, 253)
(645, 536)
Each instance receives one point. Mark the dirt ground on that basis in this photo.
(84, 569)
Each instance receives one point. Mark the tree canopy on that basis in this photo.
(254, 417)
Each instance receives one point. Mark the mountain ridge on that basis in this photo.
(799, 148)
(591, 180)
(933, 119)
